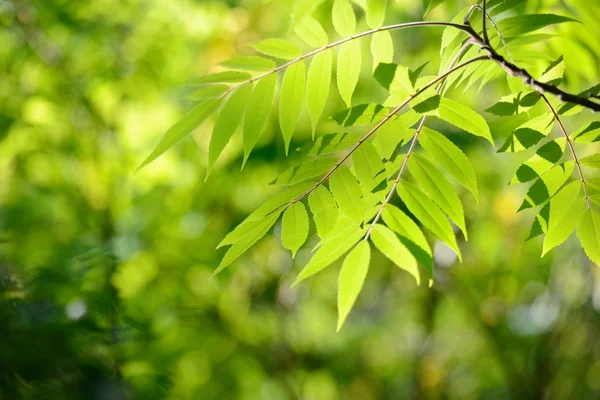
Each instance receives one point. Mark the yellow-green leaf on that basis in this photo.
(278, 48)
(368, 166)
(464, 118)
(294, 227)
(428, 213)
(565, 210)
(348, 69)
(348, 194)
(318, 84)
(257, 114)
(382, 47)
(450, 157)
(311, 32)
(390, 246)
(192, 120)
(588, 232)
(291, 99)
(376, 13)
(227, 122)
(344, 20)
(439, 189)
(324, 210)
(352, 277)
(250, 63)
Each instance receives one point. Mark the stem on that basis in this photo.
(388, 198)
(382, 122)
(344, 40)
(486, 39)
(478, 7)
(572, 148)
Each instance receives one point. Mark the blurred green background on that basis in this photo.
(105, 288)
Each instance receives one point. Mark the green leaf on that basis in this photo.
(223, 77)
(565, 211)
(430, 5)
(428, 213)
(376, 13)
(311, 32)
(450, 157)
(547, 185)
(192, 120)
(250, 63)
(390, 246)
(464, 118)
(348, 194)
(344, 20)
(209, 92)
(588, 232)
(304, 8)
(257, 114)
(335, 247)
(382, 47)
(317, 89)
(362, 114)
(368, 166)
(396, 132)
(528, 134)
(291, 99)
(332, 143)
(228, 120)
(312, 168)
(504, 108)
(246, 241)
(439, 189)
(384, 74)
(324, 210)
(588, 134)
(278, 48)
(520, 24)
(591, 161)
(410, 235)
(545, 158)
(428, 105)
(275, 205)
(352, 277)
(294, 227)
(348, 69)
(540, 224)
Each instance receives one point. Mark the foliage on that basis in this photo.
(363, 191)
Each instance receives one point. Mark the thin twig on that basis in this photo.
(572, 148)
(390, 194)
(382, 122)
(504, 45)
(486, 39)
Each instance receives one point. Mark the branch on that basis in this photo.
(383, 121)
(344, 40)
(411, 149)
(572, 148)
(486, 39)
(529, 80)
(478, 7)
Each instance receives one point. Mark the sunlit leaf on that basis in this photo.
(528, 134)
(428, 213)
(348, 70)
(344, 19)
(311, 32)
(318, 83)
(257, 114)
(382, 47)
(312, 168)
(294, 227)
(520, 24)
(367, 165)
(351, 279)
(450, 157)
(565, 210)
(440, 190)
(192, 120)
(588, 232)
(547, 185)
(291, 100)
(464, 118)
(348, 194)
(335, 247)
(227, 122)
(376, 13)
(209, 92)
(545, 158)
(588, 134)
(390, 246)
(223, 77)
(324, 210)
(278, 48)
(591, 161)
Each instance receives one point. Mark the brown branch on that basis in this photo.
(572, 148)
(382, 122)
